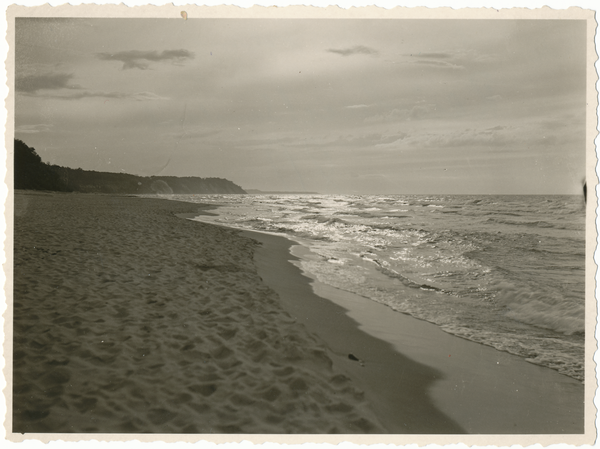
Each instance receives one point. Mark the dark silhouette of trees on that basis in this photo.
(32, 173)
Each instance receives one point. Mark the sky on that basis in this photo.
(333, 106)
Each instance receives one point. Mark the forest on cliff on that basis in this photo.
(34, 174)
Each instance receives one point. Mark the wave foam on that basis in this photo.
(541, 309)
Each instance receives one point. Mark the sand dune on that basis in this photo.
(130, 319)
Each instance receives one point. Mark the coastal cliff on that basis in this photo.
(33, 174)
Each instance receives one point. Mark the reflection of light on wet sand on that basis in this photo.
(482, 389)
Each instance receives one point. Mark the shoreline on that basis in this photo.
(395, 385)
(471, 386)
(184, 326)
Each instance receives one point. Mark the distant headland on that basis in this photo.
(33, 174)
(277, 192)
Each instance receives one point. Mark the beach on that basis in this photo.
(129, 318)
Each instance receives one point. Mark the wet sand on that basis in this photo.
(395, 385)
(454, 384)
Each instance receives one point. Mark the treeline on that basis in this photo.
(32, 173)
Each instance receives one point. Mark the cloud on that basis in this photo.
(32, 129)
(361, 140)
(393, 116)
(497, 136)
(555, 123)
(494, 98)
(138, 96)
(439, 64)
(501, 138)
(369, 175)
(357, 106)
(434, 55)
(144, 96)
(368, 140)
(48, 81)
(137, 59)
(455, 60)
(419, 111)
(416, 112)
(59, 86)
(190, 133)
(356, 50)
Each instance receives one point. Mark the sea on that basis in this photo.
(503, 271)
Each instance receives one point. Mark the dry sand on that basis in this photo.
(128, 318)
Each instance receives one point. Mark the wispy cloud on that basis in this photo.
(137, 59)
(32, 129)
(59, 86)
(356, 50)
(357, 106)
(439, 64)
(138, 96)
(434, 55)
(48, 81)
(145, 96)
(415, 112)
(455, 60)
(489, 137)
(372, 139)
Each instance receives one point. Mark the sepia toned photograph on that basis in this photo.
(255, 224)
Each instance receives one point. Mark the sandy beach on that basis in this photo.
(129, 318)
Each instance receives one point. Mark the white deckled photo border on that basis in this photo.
(561, 10)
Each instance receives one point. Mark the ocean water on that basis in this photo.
(504, 271)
